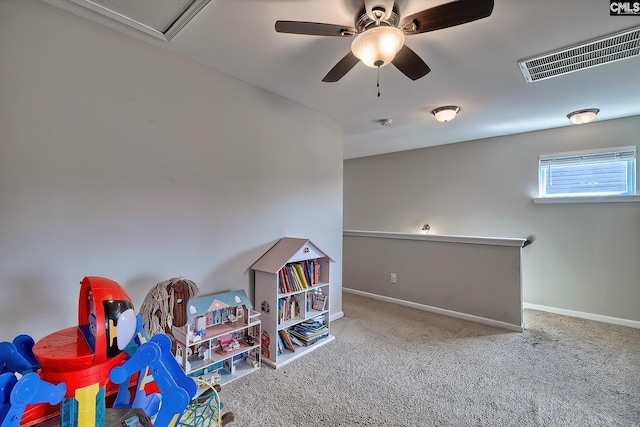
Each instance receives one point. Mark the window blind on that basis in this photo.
(588, 173)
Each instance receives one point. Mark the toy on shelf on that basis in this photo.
(228, 343)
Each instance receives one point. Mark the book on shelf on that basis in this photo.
(309, 331)
(308, 340)
(313, 323)
(289, 280)
(308, 269)
(286, 339)
(312, 268)
(288, 308)
(298, 276)
(293, 278)
(283, 286)
(319, 302)
(296, 341)
(280, 345)
(301, 275)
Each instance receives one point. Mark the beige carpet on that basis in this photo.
(396, 366)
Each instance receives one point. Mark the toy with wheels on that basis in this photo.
(206, 409)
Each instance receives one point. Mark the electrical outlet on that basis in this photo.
(394, 278)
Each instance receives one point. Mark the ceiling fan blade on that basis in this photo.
(314, 28)
(446, 15)
(410, 64)
(341, 68)
(387, 5)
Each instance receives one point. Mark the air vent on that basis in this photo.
(607, 49)
(160, 18)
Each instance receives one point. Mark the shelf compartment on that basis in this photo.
(216, 357)
(289, 356)
(291, 322)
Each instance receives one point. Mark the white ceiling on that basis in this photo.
(474, 66)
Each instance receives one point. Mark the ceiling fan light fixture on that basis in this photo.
(377, 46)
(583, 116)
(446, 113)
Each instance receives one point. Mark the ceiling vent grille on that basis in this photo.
(607, 49)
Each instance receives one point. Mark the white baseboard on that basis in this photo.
(583, 315)
(437, 310)
(336, 316)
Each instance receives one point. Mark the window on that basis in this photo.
(593, 173)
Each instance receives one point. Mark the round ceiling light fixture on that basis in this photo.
(446, 113)
(581, 117)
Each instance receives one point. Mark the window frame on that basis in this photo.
(544, 159)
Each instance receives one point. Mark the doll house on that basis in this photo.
(221, 339)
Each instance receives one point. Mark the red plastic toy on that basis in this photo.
(82, 356)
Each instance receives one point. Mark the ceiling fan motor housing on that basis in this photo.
(363, 21)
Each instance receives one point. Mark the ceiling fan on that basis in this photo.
(380, 33)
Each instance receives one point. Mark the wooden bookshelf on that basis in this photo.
(291, 279)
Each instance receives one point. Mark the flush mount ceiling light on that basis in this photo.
(583, 116)
(446, 113)
(377, 46)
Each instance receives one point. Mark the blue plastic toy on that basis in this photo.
(16, 394)
(153, 357)
(17, 356)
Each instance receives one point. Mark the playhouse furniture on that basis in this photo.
(292, 290)
(220, 341)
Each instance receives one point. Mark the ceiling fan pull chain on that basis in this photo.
(378, 82)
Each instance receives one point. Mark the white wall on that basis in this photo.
(122, 160)
(584, 257)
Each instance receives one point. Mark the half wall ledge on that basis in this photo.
(451, 238)
(475, 278)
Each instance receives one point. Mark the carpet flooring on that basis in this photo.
(392, 365)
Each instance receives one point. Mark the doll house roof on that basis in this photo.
(203, 304)
(285, 250)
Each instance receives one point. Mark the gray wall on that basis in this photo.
(474, 279)
(122, 160)
(584, 257)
